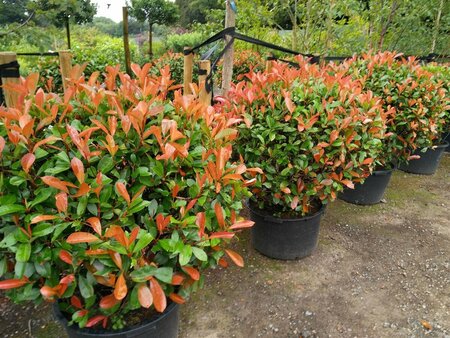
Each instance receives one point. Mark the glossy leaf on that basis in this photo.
(81, 237)
(159, 298)
(145, 296)
(235, 257)
(120, 289)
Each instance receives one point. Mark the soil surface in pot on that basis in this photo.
(379, 271)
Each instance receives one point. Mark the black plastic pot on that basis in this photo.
(163, 326)
(446, 138)
(281, 238)
(369, 192)
(428, 162)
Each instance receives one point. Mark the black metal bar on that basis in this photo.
(38, 54)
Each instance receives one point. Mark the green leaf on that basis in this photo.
(152, 208)
(82, 204)
(158, 169)
(106, 164)
(16, 180)
(43, 229)
(185, 255)
(11, 209)
(3, 266)
(164, 274)
(23, 252)
(86, 289)
(143, 241)
(200, 254)
(142, 274)
(41, 197)
(138, 207)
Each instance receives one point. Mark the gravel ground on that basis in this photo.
(379, 271)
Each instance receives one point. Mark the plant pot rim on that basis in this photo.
(442, 144)
(383, 171)
(275, 219)
(108, 333)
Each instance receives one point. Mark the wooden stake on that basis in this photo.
(227, 74)
(11, 97)
(126, 42)
(188, 70)
(205, 97)
(65, 64)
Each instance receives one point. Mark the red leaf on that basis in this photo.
(78, 169)
(177, 279)
(95, 320)
(45, 141)
(286, 190)
(67, 279)
(2, 145)
(27, 161)
(66, 257)
(76, 302)
(327, 181)
(57, 183)
(123, 191)
(95, 224)
(116, 258)
(368, 161)
(134, 234)
(222, 262)
(192, 272)
(235, 257)
(120, 289)
(177, 298)
(223, 234)
(145, 297)
(219, 214)
(61, 202)
(242, 225)
(83, 190)
(94, 252)
(159, 298)
(81, 237)
(294, 202)
(108, 302)
(42, 218)
(12, 283)
(48, 292)
(200, 221)
(348, 183)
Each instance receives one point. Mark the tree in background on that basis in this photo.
(154, 12)
(196, 11)
(61, 12)
(13, 11)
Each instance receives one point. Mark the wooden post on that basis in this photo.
(65, 64)
(269, 62)
(227, 74)
(11, 97)
(126, 42)
(205, 67)
(188, 70)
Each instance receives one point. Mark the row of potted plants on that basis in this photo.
(114, 198)
(319, 132)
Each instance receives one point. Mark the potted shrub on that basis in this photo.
(310, 134)
(415, 105)
(441, 74)
(113, 200)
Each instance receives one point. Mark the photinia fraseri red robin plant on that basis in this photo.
(417, 105)
(310, 134)
(113, 198)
